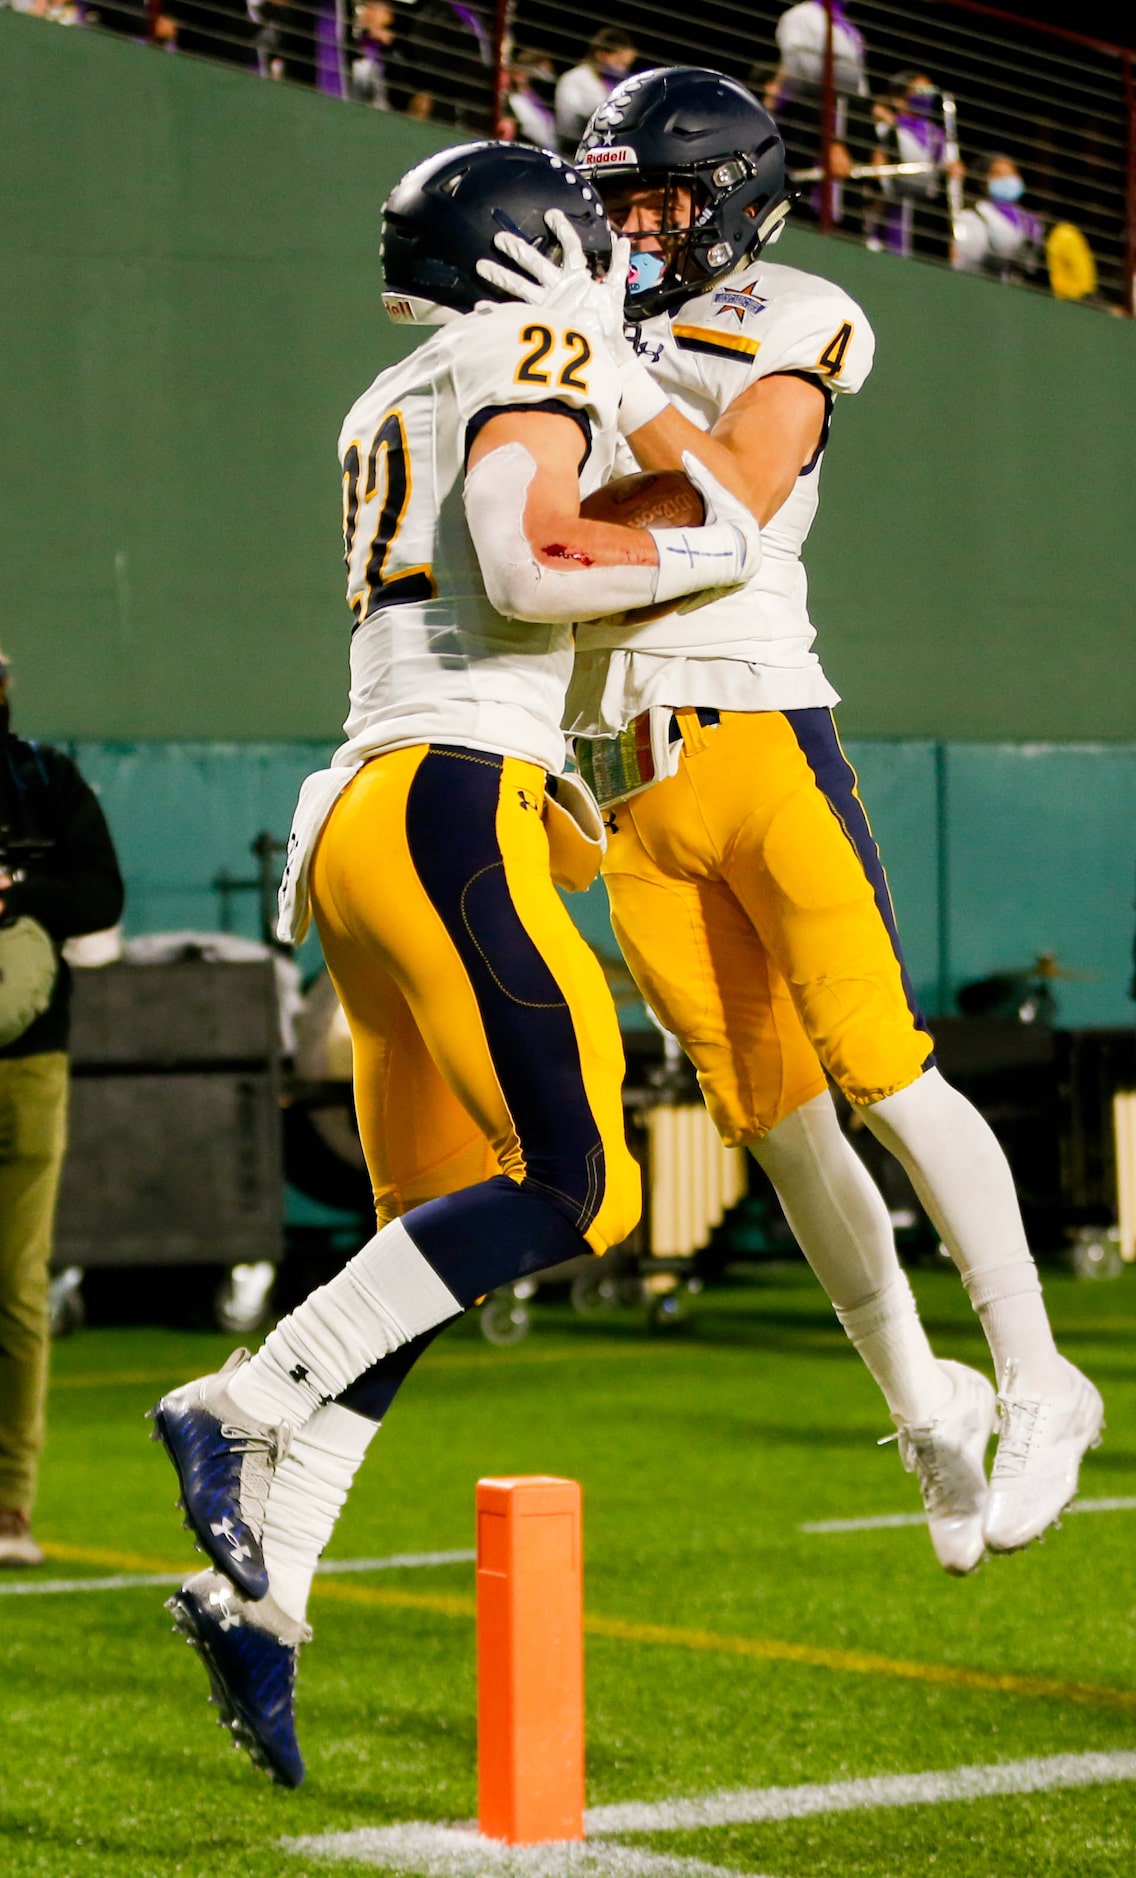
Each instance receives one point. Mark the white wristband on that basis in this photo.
(693, 558)
(640, 398)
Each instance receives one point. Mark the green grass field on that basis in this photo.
(701, 1456)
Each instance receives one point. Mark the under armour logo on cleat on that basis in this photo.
(226, 1616)
(224, 1529)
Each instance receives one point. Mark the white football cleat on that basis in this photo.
(948, 1457)
(1041, 1441)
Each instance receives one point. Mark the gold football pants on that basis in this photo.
(750, 903)
(485, 1039)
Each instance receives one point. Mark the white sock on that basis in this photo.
(886, 1330)
(382, 1298)
(306, 1497)
(963, 1179)
(839, 1220)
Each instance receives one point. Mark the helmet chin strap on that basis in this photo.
(773, 225)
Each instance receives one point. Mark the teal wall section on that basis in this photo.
(191, 282)
(994, 853)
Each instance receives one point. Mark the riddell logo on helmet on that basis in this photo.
(398, 309)
(618, 156)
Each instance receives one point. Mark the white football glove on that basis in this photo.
(568, 289)
(723, 513)
(564, 287)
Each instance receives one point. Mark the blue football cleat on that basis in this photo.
(224, 1462)
(249, 1651)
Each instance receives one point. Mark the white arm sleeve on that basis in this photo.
(521, 587)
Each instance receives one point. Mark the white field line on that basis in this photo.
(400, 1561)
(755, 1805)
(426, 1851)
(122, 1581)
(125, 1581)
(879, 1521)
(420, 1850)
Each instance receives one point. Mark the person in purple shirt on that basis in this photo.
(910, 214)
(997, 235)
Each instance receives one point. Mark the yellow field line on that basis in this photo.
(618, 1630)
(95, 1381)
(115, 1561)
(864, 1663)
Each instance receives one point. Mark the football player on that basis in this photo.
(487, 1056)
(746, 889)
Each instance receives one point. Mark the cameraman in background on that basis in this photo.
(59, 878)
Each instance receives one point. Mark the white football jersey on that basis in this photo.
(751, 650)
(431, 661)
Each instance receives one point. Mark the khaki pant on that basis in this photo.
(33, 1135)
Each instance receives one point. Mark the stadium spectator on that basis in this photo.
(131, 20)
(531, 118)
(284, 39)
(58, 878)
(794, 93)
(63, 12)
(802, 38)
(582, 90)
(910, 214)
(997, 235)
(374, 37)
(441, 64)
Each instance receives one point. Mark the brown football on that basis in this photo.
(649, 499)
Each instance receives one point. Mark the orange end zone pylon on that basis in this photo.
(530, 1660)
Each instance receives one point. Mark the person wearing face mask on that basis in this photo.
(997, 235)
(530, 117)
(910, 213)
(582, 90)
(58, 878)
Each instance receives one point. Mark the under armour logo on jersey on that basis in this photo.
(650, 350)
(610, 822)
(224, 1529)
(527, 800)
(299, 1374)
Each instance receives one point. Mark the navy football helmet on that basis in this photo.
(682, 127)
(441, 219)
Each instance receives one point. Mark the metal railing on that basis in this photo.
(872, 163)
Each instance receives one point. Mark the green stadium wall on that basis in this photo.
(191, 300)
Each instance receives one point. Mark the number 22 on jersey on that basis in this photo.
(377, 485)
(540, 359)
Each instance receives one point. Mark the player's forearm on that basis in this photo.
(659, 444)
(546, 565)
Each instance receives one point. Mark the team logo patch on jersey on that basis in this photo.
(739, 300)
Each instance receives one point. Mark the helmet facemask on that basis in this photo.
(688, 251)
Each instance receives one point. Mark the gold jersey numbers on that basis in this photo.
(386, 462)
(538, 363)
(832, 358)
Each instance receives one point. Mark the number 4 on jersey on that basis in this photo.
(832, 358)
